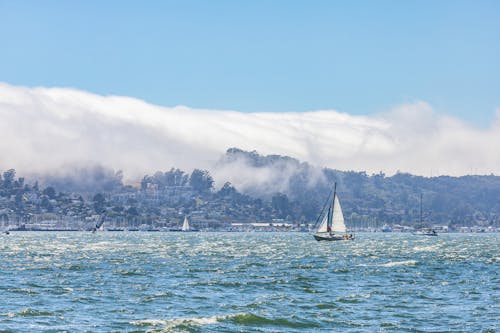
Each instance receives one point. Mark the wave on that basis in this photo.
(154, 297)
(392, 264)
(255, 320)
(241, 319)
(27, 312)
(26, 291)
(429, 248)
(399, 263)
(178, 322)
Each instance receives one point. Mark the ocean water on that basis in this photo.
(248, 282)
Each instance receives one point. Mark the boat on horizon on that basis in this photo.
(332, 226)
(386, 228)
(186, 227)
(424, 231)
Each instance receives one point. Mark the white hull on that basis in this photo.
(425, 233)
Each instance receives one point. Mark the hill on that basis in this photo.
(252, 188)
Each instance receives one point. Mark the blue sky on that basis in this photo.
(358, 57)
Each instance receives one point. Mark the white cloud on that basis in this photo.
(44, 129)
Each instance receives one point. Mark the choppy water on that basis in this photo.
(248, 282)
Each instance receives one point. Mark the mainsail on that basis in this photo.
(185, 225)
(338, 224)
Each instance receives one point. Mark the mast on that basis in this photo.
(421, 209)
(330, 210)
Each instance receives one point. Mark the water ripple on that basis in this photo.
(255, 282)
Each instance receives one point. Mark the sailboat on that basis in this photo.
(424, 231)
(185, 224)
(186, 227)
(332, 226)
(98, 225)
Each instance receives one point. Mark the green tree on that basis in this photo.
(176, 177)
(201, 180)
(8, 178)
(99, 203)
(281, 204)
(227, 190)
(50, 192)
(47, 205)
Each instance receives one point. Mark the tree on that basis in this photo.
(50, 192)
(176, 177)
(19, 200)
(20, 182)
(132, 211)
(8, 178)
(144, 182)
(227, 190)
(201, 180)
(281, 204)
(47, 205)
(99, 203)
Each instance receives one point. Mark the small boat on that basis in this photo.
(332, 226)
(424, 231)
(386, 228)
(98, 225)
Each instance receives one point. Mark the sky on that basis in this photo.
(359, 57)
(385, 64)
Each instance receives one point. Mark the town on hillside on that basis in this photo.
(161, 202)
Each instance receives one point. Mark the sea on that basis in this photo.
(248, 282)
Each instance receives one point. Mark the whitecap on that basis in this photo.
(170, 323)
(399, 263)
(429, 248)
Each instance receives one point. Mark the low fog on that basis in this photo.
(52, 130)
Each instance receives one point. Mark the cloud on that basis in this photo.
(46, 129)
(263, 176)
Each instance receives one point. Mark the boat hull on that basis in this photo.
(326, 237)
(425, 234)
(180, 230)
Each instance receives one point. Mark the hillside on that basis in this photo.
(256, 188)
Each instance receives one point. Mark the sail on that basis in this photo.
(185, 225)
(324, 224)
(338, 224)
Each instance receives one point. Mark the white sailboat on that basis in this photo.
(185, 224)
(332, 226)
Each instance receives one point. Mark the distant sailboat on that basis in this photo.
(186, 227)
(98, 225)
(424, 231)
(332, 226)
(185, 224)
